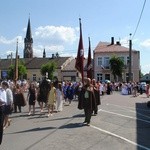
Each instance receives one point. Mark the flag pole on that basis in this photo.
(80, 54)
(16, 65)
(89, 61)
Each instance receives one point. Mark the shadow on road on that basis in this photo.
(33, 130)
(72, 125)
(143, 126)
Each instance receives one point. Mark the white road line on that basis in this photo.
(124, 115)
(129, 109)
(120, 137)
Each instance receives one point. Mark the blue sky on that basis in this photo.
(55, 25)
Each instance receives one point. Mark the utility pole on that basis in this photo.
(130, 59)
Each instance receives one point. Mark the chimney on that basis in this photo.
(112, 40)
(118, 43)
(53, 56)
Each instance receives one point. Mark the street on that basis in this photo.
(122, 123)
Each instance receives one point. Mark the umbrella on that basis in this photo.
(107, 81)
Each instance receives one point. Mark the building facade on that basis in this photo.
(103, 53)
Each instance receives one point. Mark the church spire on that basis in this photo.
(28, 33)
(44, 53)
(28, 42)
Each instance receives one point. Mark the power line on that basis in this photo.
(139, 19)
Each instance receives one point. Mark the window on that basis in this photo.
(34, 77)
(106, 62)
(107, 76)
(99, 61)
(128, 60)
(99, 77)
(127, 76)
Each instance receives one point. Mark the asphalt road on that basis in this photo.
(123, 123)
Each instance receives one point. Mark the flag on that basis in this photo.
(16, 64)
(89, 62)
(80, 54)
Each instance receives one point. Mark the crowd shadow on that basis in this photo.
(34, 130)
(143, 126)
(71, 125)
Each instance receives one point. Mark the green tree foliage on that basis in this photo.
(21, 71)
(116, 66)
(48, 68)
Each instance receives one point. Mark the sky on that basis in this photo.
(55, 26)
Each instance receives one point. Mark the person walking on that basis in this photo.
(69, 93)
(59, 98)
(87, 100)
(51, 100)
(31, 97)
(8, 105)
(147, 90)
(97, 96)
(43, 90)
(2, 107)
(19, 99)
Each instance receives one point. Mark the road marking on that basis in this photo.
(120, 137)
(124, 115)
(128, 108)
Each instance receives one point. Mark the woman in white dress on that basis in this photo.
(124, 90)
(59, 98)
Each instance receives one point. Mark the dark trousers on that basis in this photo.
(88, 114)
(15, 108)
(1, 123)
(96, 110)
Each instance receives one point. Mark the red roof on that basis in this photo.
(107, 47)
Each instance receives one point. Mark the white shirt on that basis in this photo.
(9, 96)
(3, 96)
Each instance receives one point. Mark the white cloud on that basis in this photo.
(52, 38)
(3, 40)
(49, 49)
(125, 41)
(56, 34)
(145, 68)
(146, 43)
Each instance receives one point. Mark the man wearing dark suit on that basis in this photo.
(87, 100)
(2, 104)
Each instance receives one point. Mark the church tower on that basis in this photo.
(44, 53)
(28, 42)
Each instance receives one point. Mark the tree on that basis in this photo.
(21, 70)
(116, 66)
(48, 68)
(57, 55)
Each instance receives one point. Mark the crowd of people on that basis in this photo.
(54, 95)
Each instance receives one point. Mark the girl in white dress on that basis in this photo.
(59, 98)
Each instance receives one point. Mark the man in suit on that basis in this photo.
(87, 100)
(2, 104)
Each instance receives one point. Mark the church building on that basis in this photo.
(28, 42)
